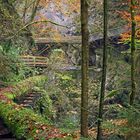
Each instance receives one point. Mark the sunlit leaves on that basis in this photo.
(127, 16)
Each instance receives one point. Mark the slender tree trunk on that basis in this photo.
(34, 10)
(25, 10)
(104, 67)
(85, 64)
(133, 48)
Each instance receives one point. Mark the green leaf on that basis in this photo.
(1, 48)
(114, 92)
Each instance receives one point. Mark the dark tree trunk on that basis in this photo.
(85, 64)
(133, 48)
(104, 68)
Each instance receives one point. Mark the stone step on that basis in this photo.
(31, 97)
(27, 101)
(28, 106)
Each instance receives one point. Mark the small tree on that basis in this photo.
(133, 48)
(85, 63)
(104, 68)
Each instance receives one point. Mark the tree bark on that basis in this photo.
(84, 68)
(133, 48)
(104, 68)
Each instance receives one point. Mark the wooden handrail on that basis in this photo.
(31, 56)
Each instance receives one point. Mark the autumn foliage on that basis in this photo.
(127, 16)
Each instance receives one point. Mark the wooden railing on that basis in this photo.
(34, 61)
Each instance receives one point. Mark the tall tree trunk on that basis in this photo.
(137, 70)
(133, 48)
(104, 68)
(85, 64)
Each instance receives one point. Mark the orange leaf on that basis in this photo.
(37, 131)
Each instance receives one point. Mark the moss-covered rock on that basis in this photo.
(44, 105)
(23, 87)
(25, 124)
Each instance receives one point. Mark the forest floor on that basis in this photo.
(123, 123)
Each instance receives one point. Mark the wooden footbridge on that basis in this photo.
(45, 45)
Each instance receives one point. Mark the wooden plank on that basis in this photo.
(31, 56)
(33, 59)
(36, 63)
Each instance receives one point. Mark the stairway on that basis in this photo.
(29, 100)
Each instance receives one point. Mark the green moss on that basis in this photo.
(10, 96)
(22, 87)
(44, 104)
(20, 120)
(24, 123)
